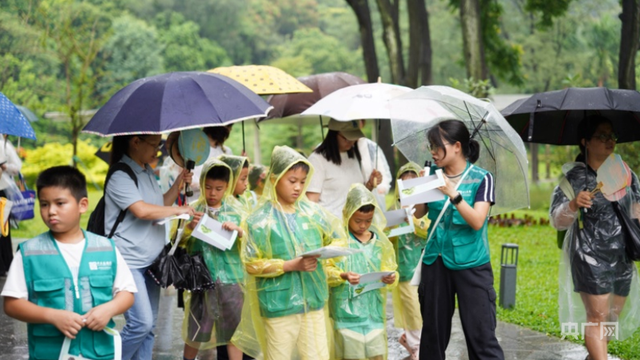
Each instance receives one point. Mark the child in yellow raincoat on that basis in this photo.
(288, 291)
(359, 317)
(408, 248)
(212, 316)
(240, 167)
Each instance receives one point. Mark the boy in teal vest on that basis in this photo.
(67, 282)
(359, 318)
(212, 316)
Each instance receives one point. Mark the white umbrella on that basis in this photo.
(502, 151)
(355, 102)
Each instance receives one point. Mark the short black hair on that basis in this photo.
(219, 173)
(300, 165)
(65, 177)
(255, 175)
(245, 164)
(367, 208)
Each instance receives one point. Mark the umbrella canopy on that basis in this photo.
(362, 101)
(263, 79)
(27, 113)
(552, 117)
(12, 122)
(176, 101)
(502, 151)
(321, 84)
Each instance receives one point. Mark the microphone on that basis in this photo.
(187, 189)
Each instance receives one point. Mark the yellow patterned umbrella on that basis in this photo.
(263, 79)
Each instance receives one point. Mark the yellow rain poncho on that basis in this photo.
(360, 318)
(408, 248)
(237, 163)
(212, 316)
(287, 308)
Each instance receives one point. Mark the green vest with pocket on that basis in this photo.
(224, 266)
(460, 246)
(344, 305)
(294, 292)
(50, 284)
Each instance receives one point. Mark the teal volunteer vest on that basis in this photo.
(50, 284)
(460, 246)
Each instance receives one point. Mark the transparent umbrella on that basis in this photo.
(502, 151)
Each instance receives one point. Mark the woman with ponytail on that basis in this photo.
(456, 258)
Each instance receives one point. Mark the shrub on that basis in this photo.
(55, 154)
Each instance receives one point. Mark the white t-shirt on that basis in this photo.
(16, 284)
(333, 181)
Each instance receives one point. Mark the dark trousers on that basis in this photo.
(476, 305)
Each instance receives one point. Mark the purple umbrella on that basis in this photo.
(176, 101)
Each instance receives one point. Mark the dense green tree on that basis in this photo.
(133, 51)
(183, 48)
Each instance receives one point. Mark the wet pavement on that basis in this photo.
(517, 342)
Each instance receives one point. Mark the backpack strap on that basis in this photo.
(119, 166)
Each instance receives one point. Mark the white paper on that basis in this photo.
(421, 190)
(398, 217)
(370, 281)
(328, 252)
(210, 231)
(170, 218)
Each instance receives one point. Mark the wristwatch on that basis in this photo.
(457, 199)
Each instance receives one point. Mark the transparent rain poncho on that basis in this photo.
(275, 234)
(357, 317)
(593, 257)
(236, 163)
(408, 248)
(207, 323)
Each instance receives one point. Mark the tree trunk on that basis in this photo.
(361, 9)
(419, 64)
(472, 39)
(630, 35)
(547, 154)
(392, 41)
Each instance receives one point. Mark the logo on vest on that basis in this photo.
(99, 265)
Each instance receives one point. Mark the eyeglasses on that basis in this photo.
(435, 148)
(157, 147)
(606, 137)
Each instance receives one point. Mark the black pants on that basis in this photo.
(476, 305)
(6, 248)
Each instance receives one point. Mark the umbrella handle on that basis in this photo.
(187, 189)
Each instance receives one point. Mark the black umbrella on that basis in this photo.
(552, 117)
(175, 266)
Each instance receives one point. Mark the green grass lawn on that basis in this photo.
(537, 283)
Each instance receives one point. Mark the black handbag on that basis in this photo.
(631, 229)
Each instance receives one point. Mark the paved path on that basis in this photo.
(518, 342)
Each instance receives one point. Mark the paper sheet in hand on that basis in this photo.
(370, 281)
(615, 177)
(421, 190)
(329, 252)
(210, 231)
(170, 218)
(398, 217)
